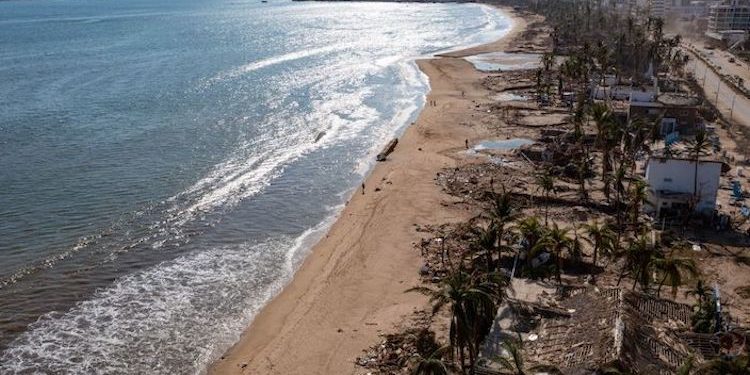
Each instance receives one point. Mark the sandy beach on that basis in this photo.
(351, 287)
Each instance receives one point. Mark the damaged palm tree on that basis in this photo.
(601, 238)
(546, 183)
(473, 301)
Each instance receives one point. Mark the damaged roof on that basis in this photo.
(590, 329)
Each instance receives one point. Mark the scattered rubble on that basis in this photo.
(398, 352)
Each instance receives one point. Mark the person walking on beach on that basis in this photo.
(466, 144)
(363, 188)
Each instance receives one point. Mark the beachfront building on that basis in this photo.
(673, 181)
(623, 92)
(678, 112)
(615, 90)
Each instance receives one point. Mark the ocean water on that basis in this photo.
(166, 165)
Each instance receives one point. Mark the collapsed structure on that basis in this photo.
(590, 329)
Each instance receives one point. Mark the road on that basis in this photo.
(721, 59)
(727, 98)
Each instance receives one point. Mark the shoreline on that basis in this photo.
(350, 287)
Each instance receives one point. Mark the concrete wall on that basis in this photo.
(624, 93)
(686, 117)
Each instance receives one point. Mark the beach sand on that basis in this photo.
(351, 287)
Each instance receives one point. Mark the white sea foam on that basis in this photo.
(173, 318)
(275, 60)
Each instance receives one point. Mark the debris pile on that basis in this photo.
(587, 329)
(398, 353)
(446, 243)
(475, 182)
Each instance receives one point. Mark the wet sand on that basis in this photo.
(351, 286)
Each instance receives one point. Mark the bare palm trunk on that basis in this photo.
(695, 180)
(462, 359)
(621, 276)
(661, 283)
(596, 254)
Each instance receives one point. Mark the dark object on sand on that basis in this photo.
(387, 149)
(319, 136)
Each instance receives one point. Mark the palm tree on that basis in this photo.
(501, 214)
(739, 365)
(699, 146)
(603, 57)
(607, 180)
(704, 317)
(672, 270)
(638, 131)
(548, 59)
(530, 230)
(583, 171)
(546, 182)
(701, 291)
(618, 183)
(602, 238)
(686, 367)
(611, 370)
(638, 198)
(434, 364)
(602, 116)
(655, 129)
(576, 245)
(555, 240)
(639, 261)
(513, 362)
(513, 358)
(485, 242)
(473, 303)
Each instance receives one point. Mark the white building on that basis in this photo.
(645, 94)
(672, 182)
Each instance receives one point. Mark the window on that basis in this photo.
(667, 180)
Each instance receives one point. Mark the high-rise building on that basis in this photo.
(657, 8)
(729, 15)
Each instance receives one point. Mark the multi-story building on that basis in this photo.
(676, 184)
(729, 15)
(680, 8)
(625, 5)
(657, 8)
(689, 8)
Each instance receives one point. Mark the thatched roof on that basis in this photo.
(591, 328)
